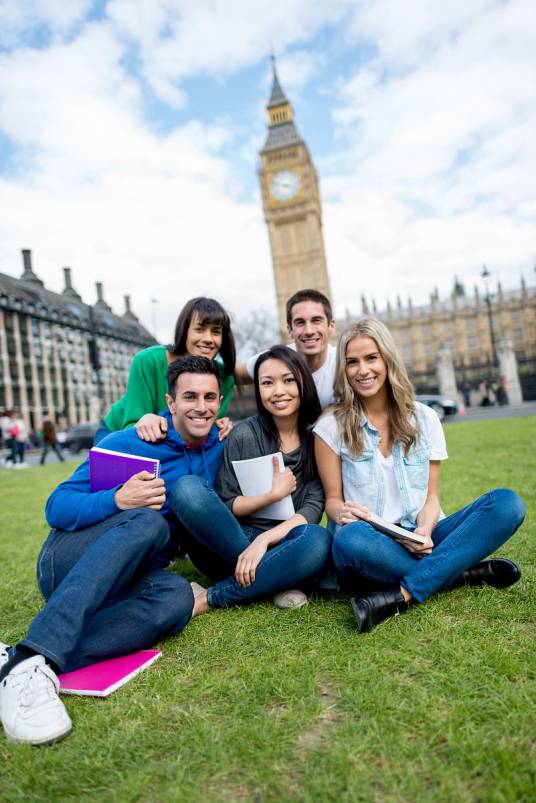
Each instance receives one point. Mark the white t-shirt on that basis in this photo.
(324, 378)
(393, 509)
(327, 429)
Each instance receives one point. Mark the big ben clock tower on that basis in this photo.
(291, 202)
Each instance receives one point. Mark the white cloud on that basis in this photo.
(18, 18)
(437, 136)
(150, 216)
(439, 152)
(178, 38)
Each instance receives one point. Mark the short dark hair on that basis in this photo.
(309, 295)
(309, 410)
(189, 365)
(208, 311)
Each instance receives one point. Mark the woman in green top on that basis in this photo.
(203, 328)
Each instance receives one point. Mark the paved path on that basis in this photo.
(473, 414)
(33, 456)
(486, 413)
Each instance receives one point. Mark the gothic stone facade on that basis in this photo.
(463, 323)
(60, 355)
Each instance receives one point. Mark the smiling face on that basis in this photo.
(366, 370)
(203, 339)
(195, 406)
(278, 389)
(310, 328)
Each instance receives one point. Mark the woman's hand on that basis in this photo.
(248, 560)
(152, 428)
(421, 549)
(352, 511)
(283, 482)
(225, 425)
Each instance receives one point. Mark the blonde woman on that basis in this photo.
(379, 451)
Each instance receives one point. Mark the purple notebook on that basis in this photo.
(100, 680)
(109, 469)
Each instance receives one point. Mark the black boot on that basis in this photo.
(372, 608)
(497, 572)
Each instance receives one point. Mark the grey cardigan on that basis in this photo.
(246, 440)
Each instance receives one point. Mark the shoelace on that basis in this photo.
(37, 688)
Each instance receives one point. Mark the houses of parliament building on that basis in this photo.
(62, 355)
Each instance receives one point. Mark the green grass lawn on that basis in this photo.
(258, 704)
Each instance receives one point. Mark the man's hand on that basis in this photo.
(248, 560)
(225, 425)
(141, 490)
(151, 428)
(283, 482)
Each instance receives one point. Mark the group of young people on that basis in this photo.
(354, 443)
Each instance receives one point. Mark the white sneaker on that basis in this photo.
(293, 598)
(30, 708)
(3, 653)
(197, 589)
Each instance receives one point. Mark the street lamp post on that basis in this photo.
(486, 275)
(154, 301)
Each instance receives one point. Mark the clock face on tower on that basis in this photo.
(285, 185)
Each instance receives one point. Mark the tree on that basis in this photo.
(254, 332)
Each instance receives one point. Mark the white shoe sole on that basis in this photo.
(50, 739)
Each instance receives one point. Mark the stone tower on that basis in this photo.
(291, 202)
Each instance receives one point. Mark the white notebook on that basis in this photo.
(395, 531)
(255, 477)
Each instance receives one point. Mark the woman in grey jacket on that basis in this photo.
(231, 537)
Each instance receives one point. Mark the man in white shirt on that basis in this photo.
(310, 324)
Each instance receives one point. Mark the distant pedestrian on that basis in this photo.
(18, 435)
(7, 440)
(466, 393)
(483, 389)
(502, 392)
(50, 440)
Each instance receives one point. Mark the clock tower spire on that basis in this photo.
(291, 202)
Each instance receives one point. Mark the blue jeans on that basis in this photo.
(215, 539)
(460, 541)
(105, 591)
(55, 448)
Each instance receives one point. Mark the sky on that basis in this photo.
(130, 132)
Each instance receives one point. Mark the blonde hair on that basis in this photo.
(349, 407)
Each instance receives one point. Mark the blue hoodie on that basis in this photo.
(72, 506)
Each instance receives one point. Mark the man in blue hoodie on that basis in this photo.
(101, 568)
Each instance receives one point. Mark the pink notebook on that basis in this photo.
(100, 680)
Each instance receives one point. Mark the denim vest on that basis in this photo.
(363, 477)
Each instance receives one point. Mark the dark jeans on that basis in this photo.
(215, 539)
(105, 591)
(55, 448)
(460, 541)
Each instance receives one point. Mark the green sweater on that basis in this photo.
(147, 388)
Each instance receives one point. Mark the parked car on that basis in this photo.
(441, 404)
(80, 436)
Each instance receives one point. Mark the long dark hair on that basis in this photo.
(309, 409)
(208, 311)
